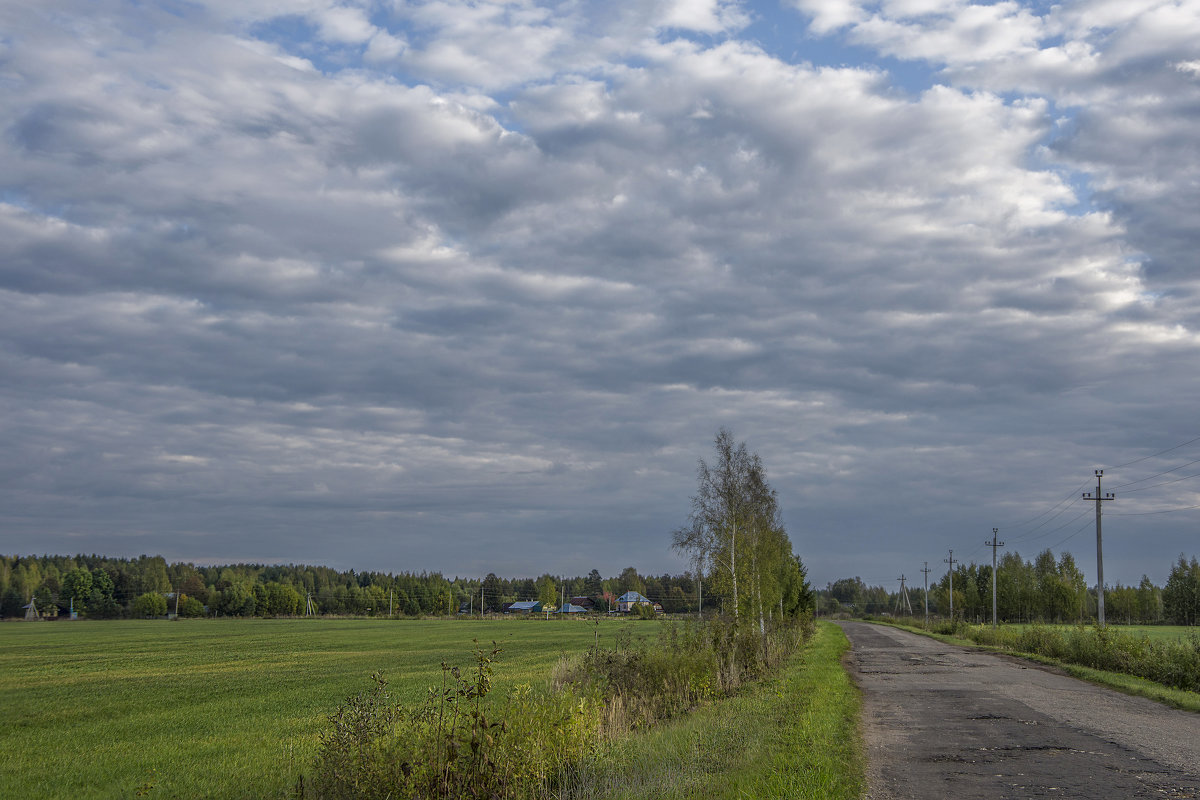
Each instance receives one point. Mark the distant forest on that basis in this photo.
(1046, 589)
(1043, 590)
(101, 587)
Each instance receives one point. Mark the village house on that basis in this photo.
(523, 607)
(627, 601)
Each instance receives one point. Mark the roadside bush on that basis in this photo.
(690, 663)
(948, 627)
(459, 743)
(464, 743)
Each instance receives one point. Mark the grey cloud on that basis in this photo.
(351, 307)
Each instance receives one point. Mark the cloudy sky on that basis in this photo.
(471, 286)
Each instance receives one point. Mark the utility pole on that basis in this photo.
(926, 570)
(951, 562)
(902, 601)
(994, 544)
(1099, 497)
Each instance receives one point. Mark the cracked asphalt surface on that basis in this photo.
(946, 721)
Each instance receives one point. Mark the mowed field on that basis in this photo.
(224, 708)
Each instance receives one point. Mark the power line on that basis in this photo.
(1043, 535)
(1164, 483)
(1154, 455)
(1030, 533)
(1148, 513)
(1157, 475)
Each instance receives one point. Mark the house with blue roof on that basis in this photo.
(627, 601)
(571, 608)
(524, 607)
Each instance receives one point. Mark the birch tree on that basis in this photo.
(720, 513)
(735, 531)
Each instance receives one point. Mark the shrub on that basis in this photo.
(150, 604)
(462, 742)
(190, 607)
(457, 744)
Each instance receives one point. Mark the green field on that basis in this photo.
(223, 708)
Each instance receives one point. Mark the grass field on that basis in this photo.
(222, 708)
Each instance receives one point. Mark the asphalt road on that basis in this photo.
(949, 722)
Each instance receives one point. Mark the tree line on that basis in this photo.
(1043, 590)
(104, 587)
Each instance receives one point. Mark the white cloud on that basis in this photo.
(705, 16)
(343, 25)
(831, 15)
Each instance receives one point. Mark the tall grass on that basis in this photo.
(1171, 662)
(466, 742)
(642, 682)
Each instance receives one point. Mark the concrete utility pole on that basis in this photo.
(926, 570)
(951, 562)
(994, 544)
(1099, 497)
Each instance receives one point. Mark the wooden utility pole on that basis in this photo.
(951, 562)
(1099, 497)
(994, 544)
(902, 601)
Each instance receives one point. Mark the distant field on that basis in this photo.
(222, 708)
